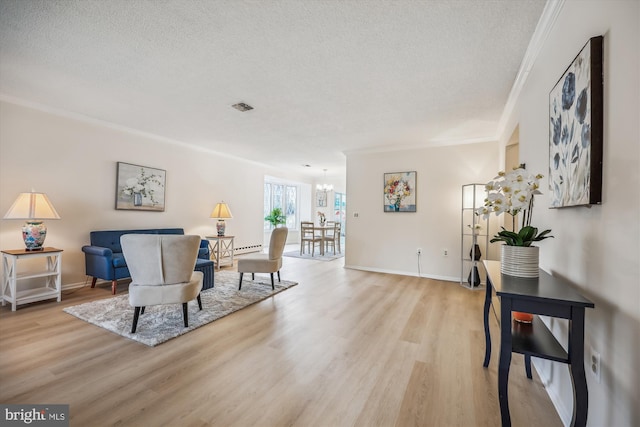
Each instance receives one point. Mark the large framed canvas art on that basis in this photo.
(576, 131)
(140, 188)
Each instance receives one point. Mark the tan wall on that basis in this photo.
(380, 241)
(597, 248)
(74, 163)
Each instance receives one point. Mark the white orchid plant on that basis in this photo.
(513, 193)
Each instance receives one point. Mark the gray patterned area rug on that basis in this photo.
(160, 323)
(317, 257)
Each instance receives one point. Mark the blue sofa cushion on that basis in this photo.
(111, 239)
(118, 260)
(206, 266)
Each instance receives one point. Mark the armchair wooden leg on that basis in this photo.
(136, 314)
(279, 276)
(185, 314)
(253, 276)
(142, 311)
(273, 285)
(199, 302)
(93, 282)
(114, 284)
(240, 286)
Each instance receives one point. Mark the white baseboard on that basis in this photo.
(564, 413)
(78, 285)
(404, 273)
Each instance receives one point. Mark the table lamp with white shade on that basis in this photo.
(33, 207)
(221, 212)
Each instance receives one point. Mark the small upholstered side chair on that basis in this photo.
(161, 267)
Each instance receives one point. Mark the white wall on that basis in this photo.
(596, 248)
(339, 186)
(74, 163)
(379, 241)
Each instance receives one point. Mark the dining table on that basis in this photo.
(322, 229)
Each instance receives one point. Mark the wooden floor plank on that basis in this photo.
(343, 348)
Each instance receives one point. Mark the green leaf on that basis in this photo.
(543, 236)
(525, 237)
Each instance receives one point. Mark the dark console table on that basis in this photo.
(548, 296)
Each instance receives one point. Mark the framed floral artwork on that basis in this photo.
(576, 130)
(321, 199)
(140, 188)
(399, 192)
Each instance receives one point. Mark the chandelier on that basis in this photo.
(324, 187)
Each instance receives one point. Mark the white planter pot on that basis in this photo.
(519, 261)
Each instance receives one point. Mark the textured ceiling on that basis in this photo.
(324, 77)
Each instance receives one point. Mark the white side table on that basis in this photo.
(52, 275)
(221, 248)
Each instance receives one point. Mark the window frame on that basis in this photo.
(283, 195)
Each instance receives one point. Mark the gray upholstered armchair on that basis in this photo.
(265, 263)
(161, 268)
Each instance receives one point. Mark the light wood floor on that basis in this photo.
(342, 348)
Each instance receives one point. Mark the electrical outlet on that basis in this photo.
(445, 252)
(594, 362)
(419, 251)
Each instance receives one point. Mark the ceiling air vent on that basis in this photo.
(241, 106)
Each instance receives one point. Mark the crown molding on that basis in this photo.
(109, 125)
(541, 33)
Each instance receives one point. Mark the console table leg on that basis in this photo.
(487, 333)
(527, 365)
(576, 368)
(505, 360)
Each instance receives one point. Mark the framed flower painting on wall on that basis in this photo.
(321, 199)
(140, 188)
(399, 192)
(576, 131)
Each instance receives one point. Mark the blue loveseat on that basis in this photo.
(104, 259)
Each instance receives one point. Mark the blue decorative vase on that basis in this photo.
(34, 233)
(221, 227)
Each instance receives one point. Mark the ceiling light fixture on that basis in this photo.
(241, 106)
(324, 187)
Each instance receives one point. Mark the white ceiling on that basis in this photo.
(324, 77)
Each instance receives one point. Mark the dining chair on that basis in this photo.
(308, 238)
(332, 238)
